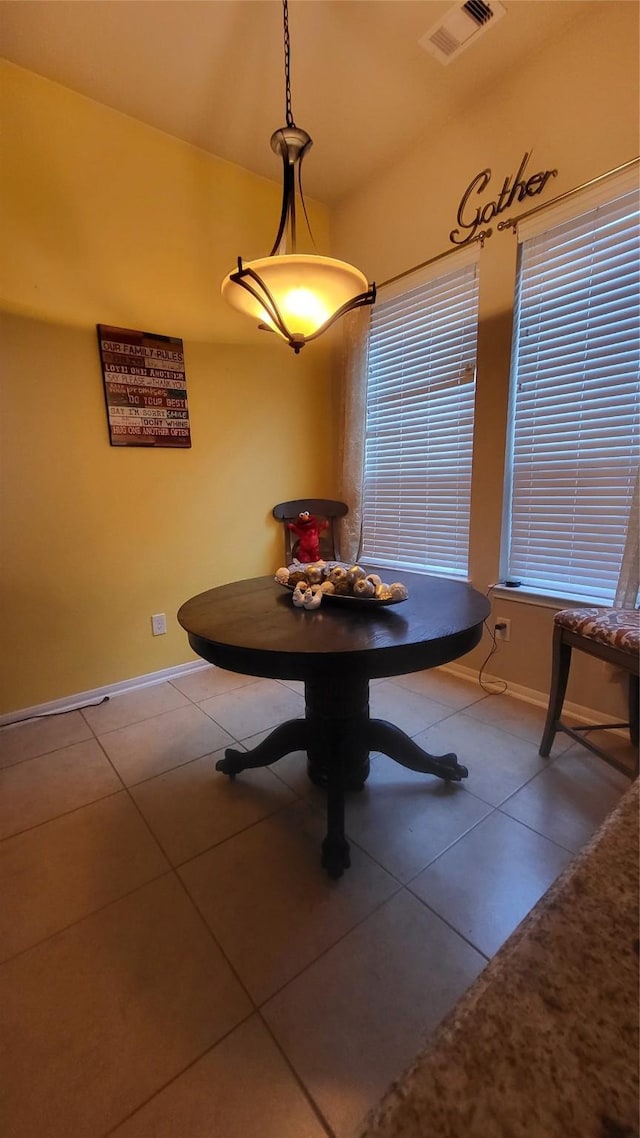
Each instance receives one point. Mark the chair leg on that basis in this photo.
(633, 708)
(559, 676)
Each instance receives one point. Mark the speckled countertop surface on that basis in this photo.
(545, 1042)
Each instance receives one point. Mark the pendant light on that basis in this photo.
(296, 295)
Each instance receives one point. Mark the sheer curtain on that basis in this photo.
(353, 403)
(629, 580)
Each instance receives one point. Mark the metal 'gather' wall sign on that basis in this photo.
(471, 217)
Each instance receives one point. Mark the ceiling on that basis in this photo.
(211, 72)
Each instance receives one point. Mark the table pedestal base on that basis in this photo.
(337, 733)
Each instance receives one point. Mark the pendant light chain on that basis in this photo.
(296, 295)
(287, 63)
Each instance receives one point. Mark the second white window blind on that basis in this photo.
(576, 412)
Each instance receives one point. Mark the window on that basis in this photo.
(419, 422)
(575, 417)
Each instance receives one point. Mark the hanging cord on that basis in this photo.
(494, 648)
(287, 64)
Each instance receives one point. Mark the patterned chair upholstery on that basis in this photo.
(609, 634)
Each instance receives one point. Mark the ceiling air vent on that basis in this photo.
(460, 28)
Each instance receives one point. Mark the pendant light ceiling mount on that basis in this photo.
(296, 295)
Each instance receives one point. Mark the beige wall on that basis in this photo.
(108, 221)
(575, 105)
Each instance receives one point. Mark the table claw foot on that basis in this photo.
(385, 737)
(232, 763)
(452, 770)
(289, 736)
(335, 856)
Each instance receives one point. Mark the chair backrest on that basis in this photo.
(321, 508)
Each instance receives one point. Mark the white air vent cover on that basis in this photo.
(460, 28)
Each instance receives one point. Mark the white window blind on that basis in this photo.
(575, 425)
(419, 429)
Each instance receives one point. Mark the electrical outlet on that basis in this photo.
(502, 628)
(158, 624)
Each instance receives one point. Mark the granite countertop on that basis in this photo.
(545, 1042)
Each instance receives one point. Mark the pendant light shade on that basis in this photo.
(296, 295)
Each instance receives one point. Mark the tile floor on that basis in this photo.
(174, 960)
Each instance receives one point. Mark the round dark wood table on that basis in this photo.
(252, 627)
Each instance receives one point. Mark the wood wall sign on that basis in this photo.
(145, 388)
(472, 216)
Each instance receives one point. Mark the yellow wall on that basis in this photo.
(108, 221)
(575, 105)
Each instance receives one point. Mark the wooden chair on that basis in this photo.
(609, 634)
(321, 508)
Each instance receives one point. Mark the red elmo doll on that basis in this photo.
(307, 529)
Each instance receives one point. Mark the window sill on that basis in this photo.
(527, 597)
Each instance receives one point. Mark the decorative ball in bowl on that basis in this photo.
(317, 581)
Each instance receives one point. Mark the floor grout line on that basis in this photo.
(178, 1075)
(85, 916)
(330, 1132)
(449, 925)
(330, 947)
(62, 814)
(532, 829)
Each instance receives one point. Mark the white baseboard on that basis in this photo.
(529, 695)
(72, 702)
